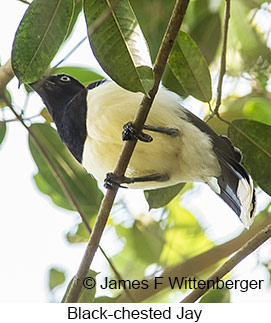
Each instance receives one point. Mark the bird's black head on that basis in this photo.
(57, 90)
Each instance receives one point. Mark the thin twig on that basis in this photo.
(222, 60)
(223, 54)
(247, 249)
(128, 148)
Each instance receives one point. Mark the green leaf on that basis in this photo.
(190, 68)
(118, 43)
(81, 184)
(56, 277)
(153, 25)
(76, 12)
(2, 102)
(162, 196)
(88, 292)
(207, 33)
(216, 296)
(253, 138)
(147, 240)
(3, 130)
(83, 74)
(39, 36)
(170, 82)
(79, 236)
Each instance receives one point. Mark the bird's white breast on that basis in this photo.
(187, 157)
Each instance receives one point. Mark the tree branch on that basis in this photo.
(128, 148)
(223, 55)
(196, 265)
(247, 249)
(222, 60)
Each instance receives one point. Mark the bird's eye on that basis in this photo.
(65, 78)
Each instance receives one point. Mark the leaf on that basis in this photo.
(162, 196)
(118, 43)
(81, 235)
(88, 292)
(46, 115)
(39, 36)
(147, 240)
(81, 184)
(56, 277)
(207, 33)
(253, 138)
(216, 296)
(3, 130)
(76, 12)
(190, 68)
(153, 25)
(2, 102)
(83, 74)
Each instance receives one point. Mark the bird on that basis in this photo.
(174, 146)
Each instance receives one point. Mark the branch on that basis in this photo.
(247, 249)
(196, 265)
(223, 54)
(128, 148)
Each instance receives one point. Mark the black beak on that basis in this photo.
(41, 84)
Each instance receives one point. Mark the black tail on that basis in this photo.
(235, 187)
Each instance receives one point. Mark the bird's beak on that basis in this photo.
(41, 84)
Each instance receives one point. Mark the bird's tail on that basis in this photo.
(235, 187)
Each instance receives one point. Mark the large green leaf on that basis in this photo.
(118, 43)
(3, 129)
(190, 68)
(253, 138)
(39, 36)
(82, 185)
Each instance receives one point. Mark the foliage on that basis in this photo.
(116, 35)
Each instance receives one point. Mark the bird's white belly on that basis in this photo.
(187, 157)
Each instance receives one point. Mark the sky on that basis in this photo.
(32, 228)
